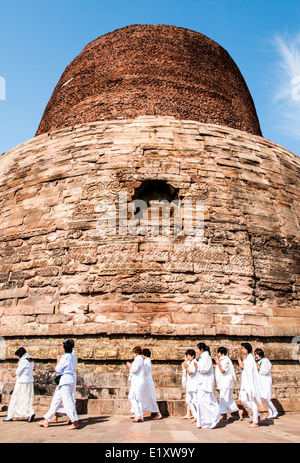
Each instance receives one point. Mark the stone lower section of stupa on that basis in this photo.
(62, 277)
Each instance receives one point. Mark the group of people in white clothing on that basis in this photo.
(63, 401)
(142, 394)
(21, 402)
(198, 379)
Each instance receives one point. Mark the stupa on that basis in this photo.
(150, 113)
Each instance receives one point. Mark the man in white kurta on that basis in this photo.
(63, 395)
(250, 384)
(61, 410)
(208, 411)
(137, 379)
(264, 370)
(225, 377)
(21, 403)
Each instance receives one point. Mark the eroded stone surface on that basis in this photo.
(155, 70)
(60, 276)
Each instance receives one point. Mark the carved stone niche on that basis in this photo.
(155, 190)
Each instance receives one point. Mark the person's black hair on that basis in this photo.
(247, 346)
(222, 350)
(72, 342)
(137, 350)
(20, 352)
(259, 352)
(146, 352)
(68, 347)
(191, 352)
(204, 347)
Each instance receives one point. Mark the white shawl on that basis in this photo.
(250, 379)
(225, 380)
(137, 378)
(205, 377)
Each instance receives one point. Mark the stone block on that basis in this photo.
(13, 293)
(94, 407)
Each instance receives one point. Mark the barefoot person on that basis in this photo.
(250, 384)
(191, 381)
(188, 414)
(63, 395)
(137, 379)
(21, 402)
(61, 410)
(225, 377)
(264, 370)
(149, 403)
(208, 411)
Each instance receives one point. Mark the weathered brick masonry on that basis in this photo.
(160, 70)
(60, 278)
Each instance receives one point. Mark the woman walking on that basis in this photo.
(137, 379)
(190, 366)
(61, 410)
(188, 414)
(250, 384)
(208, 411)
(225, 377)
(21, 403)
(63, 395)
(264, 370)
(149, 403)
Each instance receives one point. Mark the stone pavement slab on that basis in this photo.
(107, 429)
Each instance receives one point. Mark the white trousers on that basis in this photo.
(137, 407)
(208, 411)
(271, 408)
(251, 404)
(191, 400)
(226, 402)
(63, 397)
(61, 410)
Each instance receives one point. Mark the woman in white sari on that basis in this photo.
(21, 403)
(149, 396)
(264, 370)
(208, 411)
(225, 377)
(137, 379)
(250, 384)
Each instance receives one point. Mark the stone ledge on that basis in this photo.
(59, 329)
(122, 406)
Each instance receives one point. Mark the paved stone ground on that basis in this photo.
(170, 430)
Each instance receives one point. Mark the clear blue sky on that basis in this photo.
(39, 38)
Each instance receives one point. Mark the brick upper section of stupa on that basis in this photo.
(152, 70)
